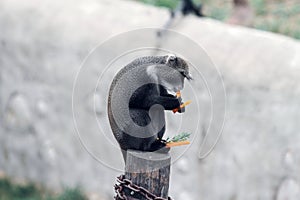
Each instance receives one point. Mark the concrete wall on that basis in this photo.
(42, 46)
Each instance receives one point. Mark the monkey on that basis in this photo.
(138, 96)
(188, 6)
(184, 7)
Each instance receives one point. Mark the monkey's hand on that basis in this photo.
(181, 109)
(180, 100)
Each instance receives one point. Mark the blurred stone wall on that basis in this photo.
(42, 45)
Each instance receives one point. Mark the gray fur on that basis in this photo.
(168, 71)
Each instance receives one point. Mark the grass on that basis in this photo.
(259, 7)
(162, 3)
(278, 16)
(10, 191)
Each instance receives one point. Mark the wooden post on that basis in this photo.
(149, 170)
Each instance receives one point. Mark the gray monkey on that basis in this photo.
(138, 96)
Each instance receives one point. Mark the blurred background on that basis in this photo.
(278, 16)
(254, 44)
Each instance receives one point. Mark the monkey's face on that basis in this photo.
(173, 81)
(170, 74)
(179, 64)
(173, 75)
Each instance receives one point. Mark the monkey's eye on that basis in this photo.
(186, 75)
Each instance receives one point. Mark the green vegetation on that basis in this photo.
(10, 191)
(278, 16)
(162, 3)
(179, 138)
(259, 7)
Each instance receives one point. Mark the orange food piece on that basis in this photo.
(182, 105)
(185, 103)
(174, 144)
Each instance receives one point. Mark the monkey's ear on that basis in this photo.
(171, 57)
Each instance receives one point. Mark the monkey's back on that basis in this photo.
(131, 126)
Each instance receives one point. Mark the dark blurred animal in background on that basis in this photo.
(183, 8)
(242, 13)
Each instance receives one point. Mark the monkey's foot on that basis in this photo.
(159, 146)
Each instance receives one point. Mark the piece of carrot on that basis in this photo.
(182, 105)
(185, 103)
(174, 144)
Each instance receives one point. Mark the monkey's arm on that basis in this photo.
(169, 102)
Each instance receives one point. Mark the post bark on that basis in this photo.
(149, 170)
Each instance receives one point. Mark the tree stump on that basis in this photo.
(149, 170)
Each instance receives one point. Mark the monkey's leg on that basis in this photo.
(159, 146)
(169, 103)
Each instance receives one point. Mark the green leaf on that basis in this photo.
(180, 137)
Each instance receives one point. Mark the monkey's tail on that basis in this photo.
(124, 153)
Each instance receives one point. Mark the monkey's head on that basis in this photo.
(172, 73)
(178, 64)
